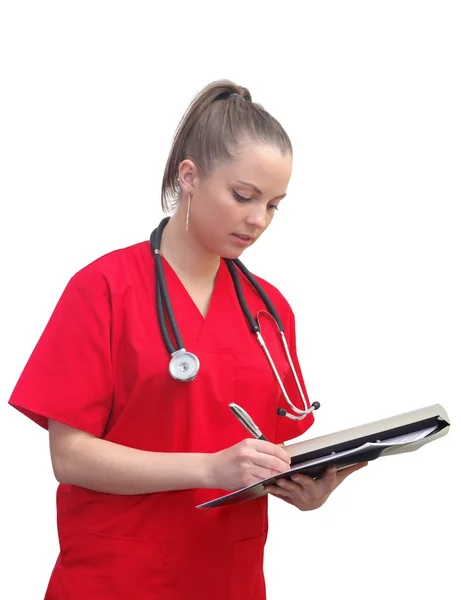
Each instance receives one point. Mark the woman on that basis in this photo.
(134, 449)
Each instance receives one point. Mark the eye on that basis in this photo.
(272, 207)
(240, 198)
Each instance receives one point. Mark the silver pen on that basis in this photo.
(247, 421)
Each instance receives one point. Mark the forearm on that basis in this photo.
(103, 466)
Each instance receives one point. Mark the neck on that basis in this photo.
(184, 253)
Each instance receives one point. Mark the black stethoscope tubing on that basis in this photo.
(162, 295)
(163, 299)
(185, 365)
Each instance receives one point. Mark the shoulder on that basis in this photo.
(116, 269)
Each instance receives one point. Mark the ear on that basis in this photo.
(187, 174)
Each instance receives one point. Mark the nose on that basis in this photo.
(257, 216)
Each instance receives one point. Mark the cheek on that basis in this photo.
(209, 218)
(209, 223)
(215, 210)
(270, 216)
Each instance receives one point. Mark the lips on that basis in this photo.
(245, 238)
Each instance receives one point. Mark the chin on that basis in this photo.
(231, 253)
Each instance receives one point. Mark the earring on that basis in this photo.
(188, 211)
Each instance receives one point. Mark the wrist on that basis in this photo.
(206, 471)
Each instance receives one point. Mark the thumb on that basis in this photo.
(329, 476)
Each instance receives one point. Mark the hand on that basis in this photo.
(308, 494)
(247, 462)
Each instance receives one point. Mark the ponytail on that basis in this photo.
(216, 121)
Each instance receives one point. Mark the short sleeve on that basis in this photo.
(286, 428)
(68, 377)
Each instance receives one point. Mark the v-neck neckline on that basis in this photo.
(183, 292)
(200, 332)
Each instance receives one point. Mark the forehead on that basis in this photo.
(263, 165)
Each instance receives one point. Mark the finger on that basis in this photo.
(289, 486)
(270, 462)
(329, 478)
(308, 485)
(273, 491)
(304, 480)
(273, 450)
(320, 486)
(258, 473)
(276, 491)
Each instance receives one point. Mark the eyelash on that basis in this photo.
(240, 198)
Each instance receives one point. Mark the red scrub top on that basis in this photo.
(101, 366)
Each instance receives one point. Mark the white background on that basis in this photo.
(366, 246)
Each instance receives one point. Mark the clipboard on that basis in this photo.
(405, 432)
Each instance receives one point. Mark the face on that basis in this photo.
(234, 204)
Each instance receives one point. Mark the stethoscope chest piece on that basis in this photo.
(184, 365)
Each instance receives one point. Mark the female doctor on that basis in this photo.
(140, 434)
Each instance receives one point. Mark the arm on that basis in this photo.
(81, 459)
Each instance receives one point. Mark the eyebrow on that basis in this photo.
(256, 188)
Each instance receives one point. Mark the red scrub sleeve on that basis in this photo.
(287, 429)
(68, 377)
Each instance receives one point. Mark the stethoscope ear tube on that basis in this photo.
(282, 412)
(265, 298)
(158, 298)
(162, 322)
(162, 297)
(238, 288)
(300, 413)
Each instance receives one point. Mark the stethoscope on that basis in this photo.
(184, 366)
